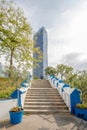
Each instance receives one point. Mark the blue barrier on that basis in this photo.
(74, 98)
(24, 84)
(64, 86)
(17, 94)
(25, 81)
(61, 81)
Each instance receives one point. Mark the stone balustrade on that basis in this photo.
(71, 96)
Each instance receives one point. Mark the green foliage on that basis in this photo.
(64, 70)
(50, 71)
(7, 86)
(83, 106)
(38, 55)
(16, 41)
(71, 79)
(82, 84)
(79, 79)
(16, 109)
(35, 77)
(75, 79)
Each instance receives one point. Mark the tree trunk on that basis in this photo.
(83, 96)
(11, 64)
(61, 76)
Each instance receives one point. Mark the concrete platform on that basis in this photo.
(47, 122)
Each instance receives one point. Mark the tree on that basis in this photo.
(50, 71)
(16, 36)
(64, 70)
(75, 79)
(71, 79)
(81, 82)
(78, 79)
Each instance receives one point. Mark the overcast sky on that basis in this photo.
(66, 25)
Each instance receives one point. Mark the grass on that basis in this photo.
(7, 86)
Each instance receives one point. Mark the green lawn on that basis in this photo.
(7, 86)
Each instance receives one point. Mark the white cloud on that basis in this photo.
(76, 60)
(73, 34)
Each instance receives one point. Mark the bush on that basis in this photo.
(35, 77)
(16, 109)
(7, 86)
(83, 106)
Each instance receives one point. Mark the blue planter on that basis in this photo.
(81, 113)
(16, 117)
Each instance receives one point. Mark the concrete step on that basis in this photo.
(43, 92)
(44, 103)
(36, 111)
(43, 100)
(41, 84)
(58, 95)
(40, 81)
(43, 97)
(41, 89)
(43, 107)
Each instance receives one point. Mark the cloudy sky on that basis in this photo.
(66, 24)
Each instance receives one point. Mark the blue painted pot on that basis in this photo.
(81, 113)
(16, 117)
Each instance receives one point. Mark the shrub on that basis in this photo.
(7, 86)
(83, 105)
(35, 77)
(16, 109)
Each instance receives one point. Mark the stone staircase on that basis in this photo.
(41, 98)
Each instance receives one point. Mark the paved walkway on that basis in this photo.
(47, 122)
